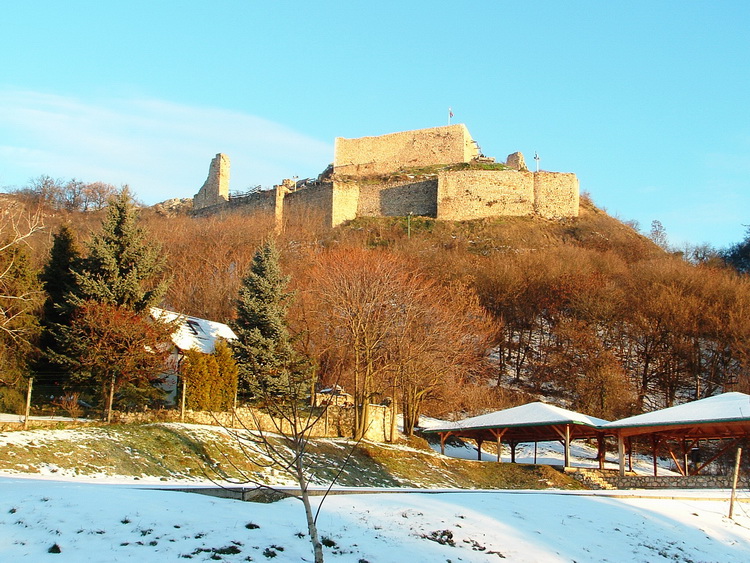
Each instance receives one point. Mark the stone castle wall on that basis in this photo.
(363, 184)
(476, 194)
(395, 198)
(408, 149)
(311, 204)
(556, 194)
(215, 190)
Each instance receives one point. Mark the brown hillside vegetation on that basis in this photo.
(477, 314)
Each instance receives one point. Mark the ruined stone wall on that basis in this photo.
(475, 194)
(215, 189)
(260, 202)
(311, 204)
(344, 202)
(556, 194)
(395, 198)
(408, 149)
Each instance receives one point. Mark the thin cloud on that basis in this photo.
(162, 149)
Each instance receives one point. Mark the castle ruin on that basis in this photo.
(437, 172)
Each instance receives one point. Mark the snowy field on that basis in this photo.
(74, 522)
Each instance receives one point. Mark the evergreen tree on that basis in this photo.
(59, 282)
(210, 379)
(267, 363)
(123, 266)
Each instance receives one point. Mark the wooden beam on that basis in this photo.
(499, 439)
(621, 453)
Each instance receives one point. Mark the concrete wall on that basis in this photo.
(215, 190)
(408, 149)
(475, 194)
(556, 194)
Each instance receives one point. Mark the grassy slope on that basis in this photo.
(174, 451)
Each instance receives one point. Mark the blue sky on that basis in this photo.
(646, 101)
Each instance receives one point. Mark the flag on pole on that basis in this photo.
(450, 112)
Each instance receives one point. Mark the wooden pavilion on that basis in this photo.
(680, 429)
(533, 422)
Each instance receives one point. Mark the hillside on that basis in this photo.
(169, 452)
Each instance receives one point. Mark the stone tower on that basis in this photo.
(215, 189)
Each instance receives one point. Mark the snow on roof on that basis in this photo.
(194, 333)
(720, 408)
(531, 414)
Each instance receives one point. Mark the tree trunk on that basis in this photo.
(111, 399)
(182, 400)
(28, 404)
(312, 527)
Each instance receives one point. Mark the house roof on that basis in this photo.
(531, 422)
(728, 409)
(194, 333)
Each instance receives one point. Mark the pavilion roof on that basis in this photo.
(531, 422)
(717, 416)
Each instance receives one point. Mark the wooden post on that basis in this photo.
(479, 449)
(535, 443)
(601, 450)
(734, 481)
(653, 451)
(567, 445)
(28, 403)
(513, 445)
(499, 447)
(621, 453)
(182, 400)
(630, 455)
(442, 443)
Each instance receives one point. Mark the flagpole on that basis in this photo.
(450, 114)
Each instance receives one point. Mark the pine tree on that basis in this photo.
(123, 266)
(268, 365)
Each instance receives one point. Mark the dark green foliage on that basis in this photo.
(123, 266)
(58, 277)
(59, 283)
(268, 365)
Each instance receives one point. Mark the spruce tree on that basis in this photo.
(59, 283)
(267, 363)
(123, 266)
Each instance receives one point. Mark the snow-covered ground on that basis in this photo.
(96, 520)
(106, 523)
